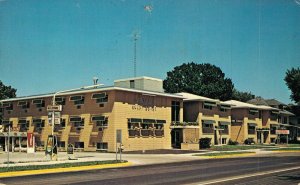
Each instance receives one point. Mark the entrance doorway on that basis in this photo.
(176, 138)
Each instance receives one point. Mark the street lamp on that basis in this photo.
(54, 104)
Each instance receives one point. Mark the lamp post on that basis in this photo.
(53, 111)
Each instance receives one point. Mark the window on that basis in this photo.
(285, 120)
(77, 121)
(79, 145)
(132, 84)
(102, 146)
(63, 123)
(224, 140)
(100, 97)
(39, 103)
(159, 126)
(175, 111)
(209, 105)
(23, 104)
(24, 125)
(39, 123)
(224, 108)
(8, 106)
(78, 100)
(61, 144)
(253, 111)
(60, 100)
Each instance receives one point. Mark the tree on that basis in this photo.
(292, 80)
(242, 96)
(201, 79)
(7, 91)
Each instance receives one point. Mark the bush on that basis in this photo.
(204, 143)
(249, 141)
(230, 142)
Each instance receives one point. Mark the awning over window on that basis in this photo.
(274, 125)
(208, 121)
(252, 124)
(224, 123)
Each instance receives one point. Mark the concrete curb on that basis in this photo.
(60, 170)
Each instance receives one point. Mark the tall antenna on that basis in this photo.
(136, 36)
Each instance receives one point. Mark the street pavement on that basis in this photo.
(186, 172)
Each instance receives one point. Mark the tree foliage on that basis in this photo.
(201, 79)
(242, 96)
(292, 80)
(7, 91)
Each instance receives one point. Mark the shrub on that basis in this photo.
(204, 143)
(249, 141)
(230, 142)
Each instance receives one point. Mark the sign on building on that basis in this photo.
(54, 108)
(283, 132)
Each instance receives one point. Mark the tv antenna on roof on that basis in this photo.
(136, 36)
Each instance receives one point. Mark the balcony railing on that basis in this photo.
(146, 132)
(133, 132)
(159, 133)
(207, 130)
(251, 131)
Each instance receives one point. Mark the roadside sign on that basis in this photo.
(70, 149)
(284, 132)
(57, 117)
(119, 136)
(54, 108)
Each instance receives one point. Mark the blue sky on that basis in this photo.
(47, 46)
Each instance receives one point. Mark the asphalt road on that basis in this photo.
(213, 171)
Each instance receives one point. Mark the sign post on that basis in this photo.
(119, 142)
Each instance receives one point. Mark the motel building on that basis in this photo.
(137, 107)
(257, 123)
(203, 118)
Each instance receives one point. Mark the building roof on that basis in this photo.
(258, 101)
(239, 104)
(193, 97)
(98, 89)
(274, 102)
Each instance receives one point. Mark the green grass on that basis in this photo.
(238, 147)
(223, 153)
(283, 149)
(61, 165)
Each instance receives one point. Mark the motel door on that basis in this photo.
(176, 137)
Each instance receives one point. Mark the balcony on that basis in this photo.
(207, 130)
(251, 131)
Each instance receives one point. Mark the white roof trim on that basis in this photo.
(94, 90)
(138, 78)
(193, 97)
(239, 104)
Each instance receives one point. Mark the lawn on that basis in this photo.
(61, 165)
(239, 147)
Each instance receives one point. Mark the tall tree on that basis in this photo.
(201, 79)
(7, 91)
(292, 80)
(242, 96)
